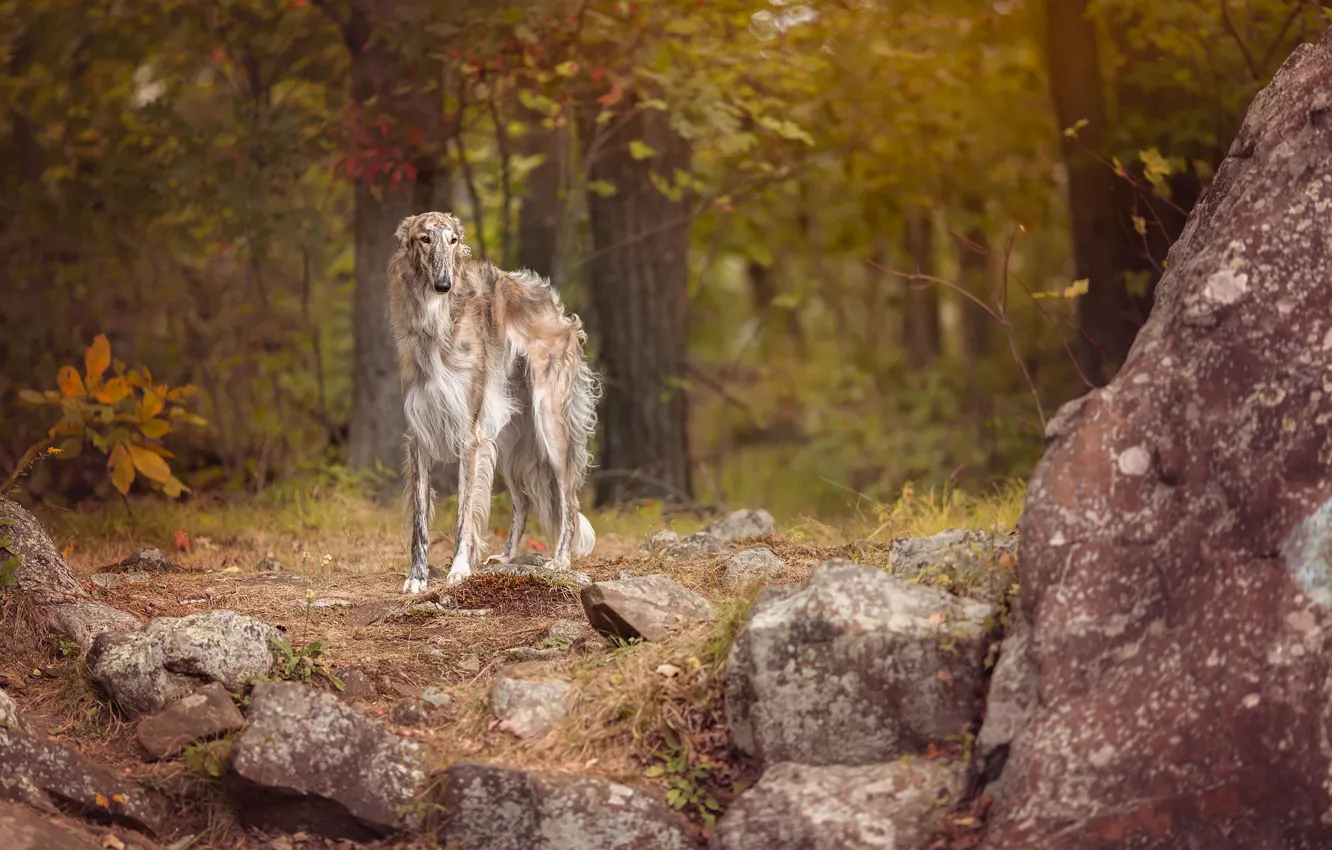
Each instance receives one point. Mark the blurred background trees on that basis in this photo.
(715, 186)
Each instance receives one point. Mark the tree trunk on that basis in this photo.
(977, 277)
(1107, 312)
(638, 278)
(544, 206)
(920, 319)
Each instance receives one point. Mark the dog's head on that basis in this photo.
(432, 244)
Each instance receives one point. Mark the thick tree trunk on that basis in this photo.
(1107, 311)
(638, 282)
(544, 208)
(920, 319)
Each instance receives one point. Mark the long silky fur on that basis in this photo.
(494, 373)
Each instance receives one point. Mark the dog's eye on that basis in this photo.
(453, 240)
(425, 239)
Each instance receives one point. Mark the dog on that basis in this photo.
(493, 371)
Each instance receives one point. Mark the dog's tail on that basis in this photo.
(585, 538)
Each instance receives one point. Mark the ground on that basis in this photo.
(631, 719)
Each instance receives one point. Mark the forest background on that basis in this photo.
(823, 251)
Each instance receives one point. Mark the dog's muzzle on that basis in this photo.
(443, 284)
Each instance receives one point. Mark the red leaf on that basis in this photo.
(182, 541)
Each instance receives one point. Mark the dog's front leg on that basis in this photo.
(418, 482)
(473, 505)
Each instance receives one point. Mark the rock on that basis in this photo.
(170, 657)
(469, 664)
(1009, 702)
(648, 607)
(531, 653)
(356, 684)
(10, 716)
(410, 711)
(206, 713)
(59, 601)
(322, 602)
(436, 698)
(25, 829)
(489, 807)
(853, 666)
(308, 762)
(1177, 538)
(268, 565)
(369, 613)
(538, 566)
(562, 631)
(867, 807)
(659, 541)
(529, 709)
(109, 580)
(972, 556)
(148, 560)
(53, 777)
(758, 564)
(741, 525)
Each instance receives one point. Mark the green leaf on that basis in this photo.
(601, 188)
(654, 771)
(639, 149)
(31, 397)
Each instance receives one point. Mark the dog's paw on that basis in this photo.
(563, 565)
(416, 580)
(456, 575)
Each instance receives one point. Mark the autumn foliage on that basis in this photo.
(124, 417)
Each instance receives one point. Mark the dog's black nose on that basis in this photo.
(442, 286)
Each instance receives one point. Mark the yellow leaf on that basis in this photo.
(31, 397)
(102, 801)
(155, 428)
(119, 798)
(1079, 287)
(70, 382)
(121, 466)
(113, 391)
(181, 392)
(173, 487)
(98, 356)
(149, 464)
(150, 406)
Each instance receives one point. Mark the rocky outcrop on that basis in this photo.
(10, 716)
(981, 560)
(529, 709)
(647, 607)
(853, 667)
(307, 762)
(170, 657)
(489, 807)
(54, 778)
(868, 807)
(1008, 703)
(758, 564)
(1176, 550)
(60, 602)
(25, 829)
(206, 713)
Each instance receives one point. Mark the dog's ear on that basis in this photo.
(404, 231)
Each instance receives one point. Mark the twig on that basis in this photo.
(506, 211)
(1239, 41)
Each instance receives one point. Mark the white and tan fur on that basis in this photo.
(493, 371)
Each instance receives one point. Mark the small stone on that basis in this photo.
(308, 762)
(489, 807)
(273, 579)
(742, 525)
(538, 567)
(10, 716)
(529, 709)
(410, 711)
(368, 614)
(696, 545)
(648, 607)
(470, 664)
(322, 602)
(206, 713)
(149, 560)
(436, 698)
(356, 684)
(269, 565)
(758, 564)
(870, 807)
(565, 630)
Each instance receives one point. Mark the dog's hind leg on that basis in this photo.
(514, 465)
(418, 484)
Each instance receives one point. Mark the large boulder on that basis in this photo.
(170, 657)
(866, 807)
(854, 666)
(1176, 550)
(25, 829)
(308, 762)
(54, 778)
(648, 607)
(741, 525)
(489, 807)
(58, 600)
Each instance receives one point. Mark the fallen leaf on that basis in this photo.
(945, 675)
(68, 550)
(182, 541)
(101, 801)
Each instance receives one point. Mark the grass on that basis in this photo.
(646, 713)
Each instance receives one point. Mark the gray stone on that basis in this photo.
(1009, 702)
(25, 829)
(741, 525)
(356, 684)
(170, 657)
(109, 580)
(268, 565)
(322, 602)
(206, 713)
(565, 631)
(148, 560)
(648, 607)
(867, 807)
(306, 762)
(975, 558)
(410, 711)
(10, 716)
(1177, 535)
(488, 807)
(436, 698)
(529, 709)
(853, 666)
(53, 777)
(470, 664)
(758, 564)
